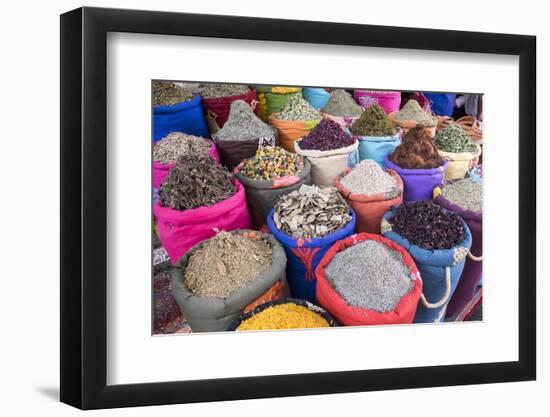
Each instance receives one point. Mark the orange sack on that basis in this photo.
(290, 131)
(369, 209)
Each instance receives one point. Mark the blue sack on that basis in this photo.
(187, 117)
(440, 270)
(317, 97)
(442, 104)
(376, 147)
(303, 256)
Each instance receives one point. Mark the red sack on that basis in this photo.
(217, 108)
(329, 299)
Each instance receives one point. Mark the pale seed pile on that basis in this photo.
(212, 90)
(342, 104)
(412, 111)
(168, 149)
(167, 93)
(243, 124)
(466, 193)
(297, 109)
(368, 178)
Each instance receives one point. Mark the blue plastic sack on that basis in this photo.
(433, 266)
(317, 97)
(187, 117)
(376, 147)
(303, 256)
(442, 104)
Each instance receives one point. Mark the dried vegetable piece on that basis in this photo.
(227, 263)
(272, 162)
(297, 109)
(373, 122)
(212, 90)
(427, 225)
(454, 139)
(284, 316)
(369, 178)
(166, 93)
(342, 104)
(416, 151)
(195, 181)
(168, 149)
(243, 124)
(311, 212)
(326, 136)
(413, 111)
(466, 193)
(370, 275)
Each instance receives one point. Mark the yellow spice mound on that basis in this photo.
(284, 316)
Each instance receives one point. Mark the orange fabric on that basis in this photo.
(369, 209)
(275, 292)
(290, 131)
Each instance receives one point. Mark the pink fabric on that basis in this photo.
(160, 171)
(344, 122)
(179, 231)
(388, 100)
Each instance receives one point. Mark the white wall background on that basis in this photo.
(29, 304)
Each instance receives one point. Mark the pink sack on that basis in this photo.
(388, 100)
(179, 231)
(160, 171)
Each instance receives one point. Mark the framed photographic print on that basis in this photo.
(258, 208)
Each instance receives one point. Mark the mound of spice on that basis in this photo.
(227, 263)
(326, 136)
(369, 178)
(342, 104)
(413, 111)
(370, 275)
(168, 149)
(195, 181)
(466, 193)
(416, 151)
(213, 90)
(454, 139)
(272, 162)
(311, 212)
(167, 93)
(373, 122)
(427, 225)
(243, 124)
(284, 316)
(297, 109)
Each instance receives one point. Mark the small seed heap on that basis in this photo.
(454, 139)
(272, 162)
(297, 109)
(466, 193)
(342, 104)
(370, 275)
(311, 212)
(168, 149)
(368, 178)
(326, 136)
(373, 122)
(166, 93)
(227, 263)
(243, 124)
(413, 112)
(195, 181)
(212, 90)
(284, 316)
(416, 151)
(426, 224)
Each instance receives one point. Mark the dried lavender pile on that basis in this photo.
(311, 212)
(373, 122)
(226, 263)
(467, 194)
(426, 224)
(413, 111)
(243, 124)
(168, 149)
(326, 136)
(167, 93)
(195, 181)
(212, 90)
(297, 109)
(342, 104)
(272, 162)
(370, 275)
(454, 139)
(368, 178)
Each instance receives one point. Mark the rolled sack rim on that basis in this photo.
(415, 171)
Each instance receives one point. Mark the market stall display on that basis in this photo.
(411, 115)
(388, 100)
(458, 148)
(272, 99)
(341, 108)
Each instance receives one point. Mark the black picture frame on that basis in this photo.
(84, 207)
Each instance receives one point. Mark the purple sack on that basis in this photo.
(418, 183)
(471, 276)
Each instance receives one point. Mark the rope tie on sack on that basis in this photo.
(445, 297)
(475, 258)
